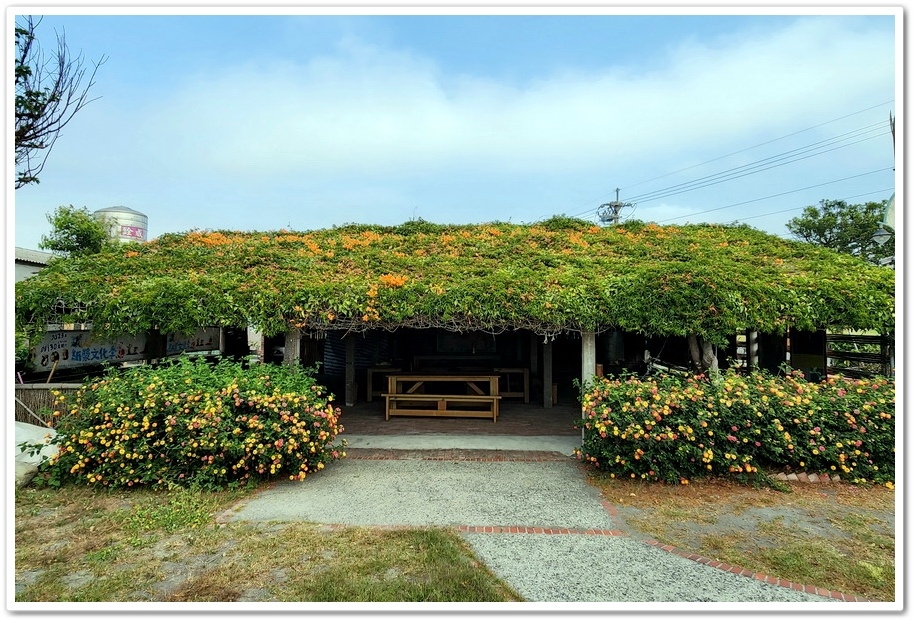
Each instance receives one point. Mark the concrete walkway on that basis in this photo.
(524, 506)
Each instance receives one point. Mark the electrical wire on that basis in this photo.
(802, 153)
(765, 164)
(874, 192)
(735, 153)
(783, 158)
(788, 192)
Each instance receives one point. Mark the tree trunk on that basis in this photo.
(696, 357)
(291, 345)
(710, 360)
(702, 355)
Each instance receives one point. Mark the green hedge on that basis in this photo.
(549, 277)
(192, 423)
(675, 428)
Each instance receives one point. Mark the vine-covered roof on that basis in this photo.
(554, 275)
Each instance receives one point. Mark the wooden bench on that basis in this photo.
(407, 395)
(441, 405)
(521, 388)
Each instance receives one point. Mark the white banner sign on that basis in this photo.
(202, 340)
(73, 349)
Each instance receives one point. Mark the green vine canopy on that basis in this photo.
(551, 276)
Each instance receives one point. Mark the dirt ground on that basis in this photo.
(759, 518)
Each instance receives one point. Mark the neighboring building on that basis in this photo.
(29, 262)
(124, 225)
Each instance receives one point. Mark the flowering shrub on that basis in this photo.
(191, 423)
(672, 428)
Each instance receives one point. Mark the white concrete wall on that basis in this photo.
(23, 271)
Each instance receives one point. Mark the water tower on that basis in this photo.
(124, 224)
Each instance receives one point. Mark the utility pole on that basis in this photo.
(893, 139)
(609, 213)
(888, 223)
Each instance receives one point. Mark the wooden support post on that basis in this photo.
(53, 368)
(589, 361)
(350, 370)
(751, 344)
(534, 353)
(887, 355)
(548, 374)
(291, 347)
(589, 358)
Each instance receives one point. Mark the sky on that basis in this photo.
(305, 121)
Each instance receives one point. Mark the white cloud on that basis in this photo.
(380, 112)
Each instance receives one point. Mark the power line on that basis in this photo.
(651, 195)
(788, 157)
(788, 192)
(801, 153)
(735, 153)
(747, 218)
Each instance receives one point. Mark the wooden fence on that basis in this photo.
(35, 402)
(859, 355)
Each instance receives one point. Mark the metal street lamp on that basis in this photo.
(886, 227)
(881, 236)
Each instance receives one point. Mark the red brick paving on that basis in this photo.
(515, 418)
(535, 530)
(488, 456)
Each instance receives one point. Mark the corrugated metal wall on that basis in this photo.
(370, 349)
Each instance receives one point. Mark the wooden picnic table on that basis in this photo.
(418, 394)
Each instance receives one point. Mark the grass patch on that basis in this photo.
(831, 535)
(80, 545)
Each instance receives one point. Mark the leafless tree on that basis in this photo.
(50, 90)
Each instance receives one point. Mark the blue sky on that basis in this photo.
(298, 121)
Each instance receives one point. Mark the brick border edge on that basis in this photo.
(762, 577)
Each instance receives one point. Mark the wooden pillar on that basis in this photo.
(548, 374)
(350, 371)
(534, 353)
(887, 355)
(292, 340)
(752, 346)
(589, 361)
(588, 356)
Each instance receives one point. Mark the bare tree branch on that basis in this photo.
(49, 92)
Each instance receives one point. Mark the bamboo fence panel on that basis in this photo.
(35, 403)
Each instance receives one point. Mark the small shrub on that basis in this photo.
(191, 423)
(673, 428)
